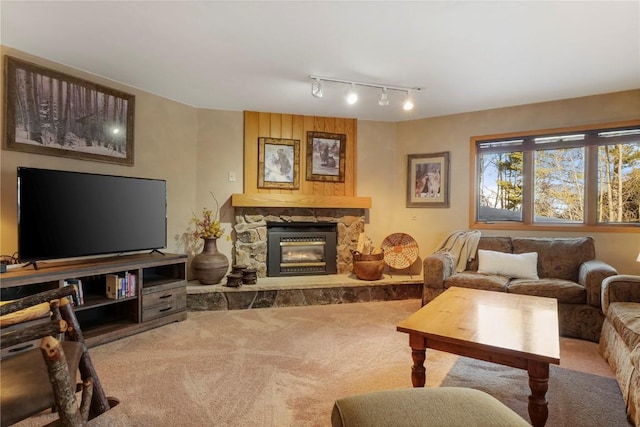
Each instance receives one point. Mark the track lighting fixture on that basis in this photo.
(352, 96)
(384, 98)
(316, 88)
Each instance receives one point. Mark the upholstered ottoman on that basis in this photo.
(432, 406)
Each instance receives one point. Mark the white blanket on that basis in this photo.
(462, 246)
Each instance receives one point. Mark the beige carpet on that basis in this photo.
(269, 367)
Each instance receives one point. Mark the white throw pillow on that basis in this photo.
(518, 266)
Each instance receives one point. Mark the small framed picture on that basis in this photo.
(325, 156)
(428, 180)
(278, 163)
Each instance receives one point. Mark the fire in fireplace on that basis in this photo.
(301, 248)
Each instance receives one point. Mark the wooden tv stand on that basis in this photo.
(160, 297)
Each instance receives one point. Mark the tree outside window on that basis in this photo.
(619, 182)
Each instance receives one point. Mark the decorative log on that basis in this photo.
(54, 306)
(99, 401)
(87, 395)
(63, 391)
(35, 312)
(28, 301)
(22, 335)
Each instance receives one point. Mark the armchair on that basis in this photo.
(620, 338)
(40, 378)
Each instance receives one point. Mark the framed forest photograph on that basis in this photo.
(325, 156)
(48, 112)
(428, 180)
(278, 163)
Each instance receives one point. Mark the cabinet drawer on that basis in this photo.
(19, 348)
(161, 303)
(27, 345)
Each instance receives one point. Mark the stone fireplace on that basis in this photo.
(251, 240)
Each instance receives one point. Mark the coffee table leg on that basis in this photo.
(418, 354)
(539, 384)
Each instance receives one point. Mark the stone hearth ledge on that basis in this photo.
(302, 290)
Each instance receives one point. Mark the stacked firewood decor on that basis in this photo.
(365, 246)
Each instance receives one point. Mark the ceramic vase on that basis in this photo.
(210, 266)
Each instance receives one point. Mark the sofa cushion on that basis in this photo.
(558, 258)
(520, 266)
(625, 318)
(491, 243)
(564, 291)
(474, 280)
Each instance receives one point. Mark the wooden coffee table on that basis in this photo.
(520, 331)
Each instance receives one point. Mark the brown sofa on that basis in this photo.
(566, 268)
(620, 340)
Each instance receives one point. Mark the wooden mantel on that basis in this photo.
(268, 200)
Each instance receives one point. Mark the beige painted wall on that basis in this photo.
(429, 226)
(220, 152)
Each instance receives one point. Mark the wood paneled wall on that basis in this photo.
(273, 125)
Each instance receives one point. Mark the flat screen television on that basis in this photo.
(63, 214)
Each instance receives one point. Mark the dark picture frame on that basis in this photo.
(428, 180)
(326, 156)
(52, 113)
(278, 163)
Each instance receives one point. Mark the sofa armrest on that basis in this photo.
(436, 268)
(591, 275)
(623, 288)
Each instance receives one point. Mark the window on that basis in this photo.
(558, 178)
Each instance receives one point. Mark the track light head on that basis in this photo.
(352, 96)
(316, 88)
(384, 98)
(408, 103)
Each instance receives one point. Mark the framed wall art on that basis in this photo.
(428, 180)
(325, 156)
(278, 163)
(48, 112)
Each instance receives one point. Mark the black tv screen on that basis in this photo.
(64, 214)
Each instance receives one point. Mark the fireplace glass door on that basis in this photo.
(295, 250)
(301, 252)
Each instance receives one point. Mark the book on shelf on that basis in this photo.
(121, 286)
(132, 284)
(112, 285)
(78, 297)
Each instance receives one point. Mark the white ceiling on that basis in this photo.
(465, 55)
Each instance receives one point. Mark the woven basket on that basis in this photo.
(400, 250)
